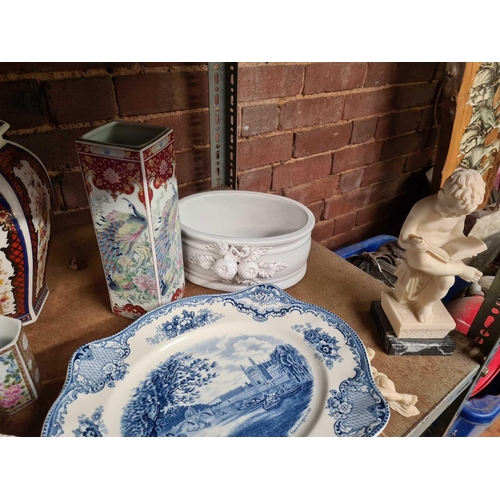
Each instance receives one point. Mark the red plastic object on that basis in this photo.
(464, 311)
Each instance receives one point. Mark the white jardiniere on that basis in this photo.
(233, 239)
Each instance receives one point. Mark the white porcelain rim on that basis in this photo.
(238, 240)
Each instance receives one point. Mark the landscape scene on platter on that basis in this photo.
(226, 386)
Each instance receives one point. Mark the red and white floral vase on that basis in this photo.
(129, 173)
(19, 374)
(26, 205)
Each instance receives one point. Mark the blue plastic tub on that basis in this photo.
(479, 412)
(369, 245)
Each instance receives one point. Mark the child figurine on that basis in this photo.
(433, 238)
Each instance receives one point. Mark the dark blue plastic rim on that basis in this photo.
(369, 245)
(481, 411)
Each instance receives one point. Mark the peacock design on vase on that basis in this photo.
(122, 240)
(167, 236)
(133, 197)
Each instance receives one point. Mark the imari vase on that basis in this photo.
(19, 374)
(26, 202)
(129, 173)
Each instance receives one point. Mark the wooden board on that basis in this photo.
(78, 311)
(475, 140)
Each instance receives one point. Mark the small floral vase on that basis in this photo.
(26, 202)
(129, 173)
(19, 375)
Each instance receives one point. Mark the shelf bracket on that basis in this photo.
(223, 109)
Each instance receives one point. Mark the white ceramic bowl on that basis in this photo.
(234, 239)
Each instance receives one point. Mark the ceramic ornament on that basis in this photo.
(26, 205)
(234, 239)
(19, 374)
(129, 172)
(256, 362)
(404, 404)
(435, 245)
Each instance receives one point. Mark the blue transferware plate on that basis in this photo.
(251, 363)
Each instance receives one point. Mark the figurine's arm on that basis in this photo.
(410, 227)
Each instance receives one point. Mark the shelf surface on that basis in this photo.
(77, 311)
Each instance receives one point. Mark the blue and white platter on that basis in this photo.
(251, 363)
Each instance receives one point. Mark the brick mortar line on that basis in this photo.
(53, 128)
(177, 151)
(347, 146)
(303, 84)
(49, 76)
(279, 101)
(335, 93)
(322, 215)
(319, 180)
(115, 95)
(272, 64)
(372, 221)
(71, 170)
(295, 160)
(168, 114)
(136, 70)
(309, 128)
(70, 211)
(351, 122)
(302, 158)
(380, 202)
(410, 154)
(374, 139)
(63, 203)
(239, 118)
(406, 156)
(324, 153)
(366, 74)
(272, 181)
(253, 170)
(368, 223)
(294, 131)
(163, 69)
(365, 188)
(195, 147)
(73, 126)
(346, 232)
(194, 182)
(340, 194)
(332, 159)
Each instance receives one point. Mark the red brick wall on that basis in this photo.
(349, 140)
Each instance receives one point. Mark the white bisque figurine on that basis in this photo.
(435, 245)
(404, 404)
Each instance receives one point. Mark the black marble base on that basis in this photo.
(408, 347)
